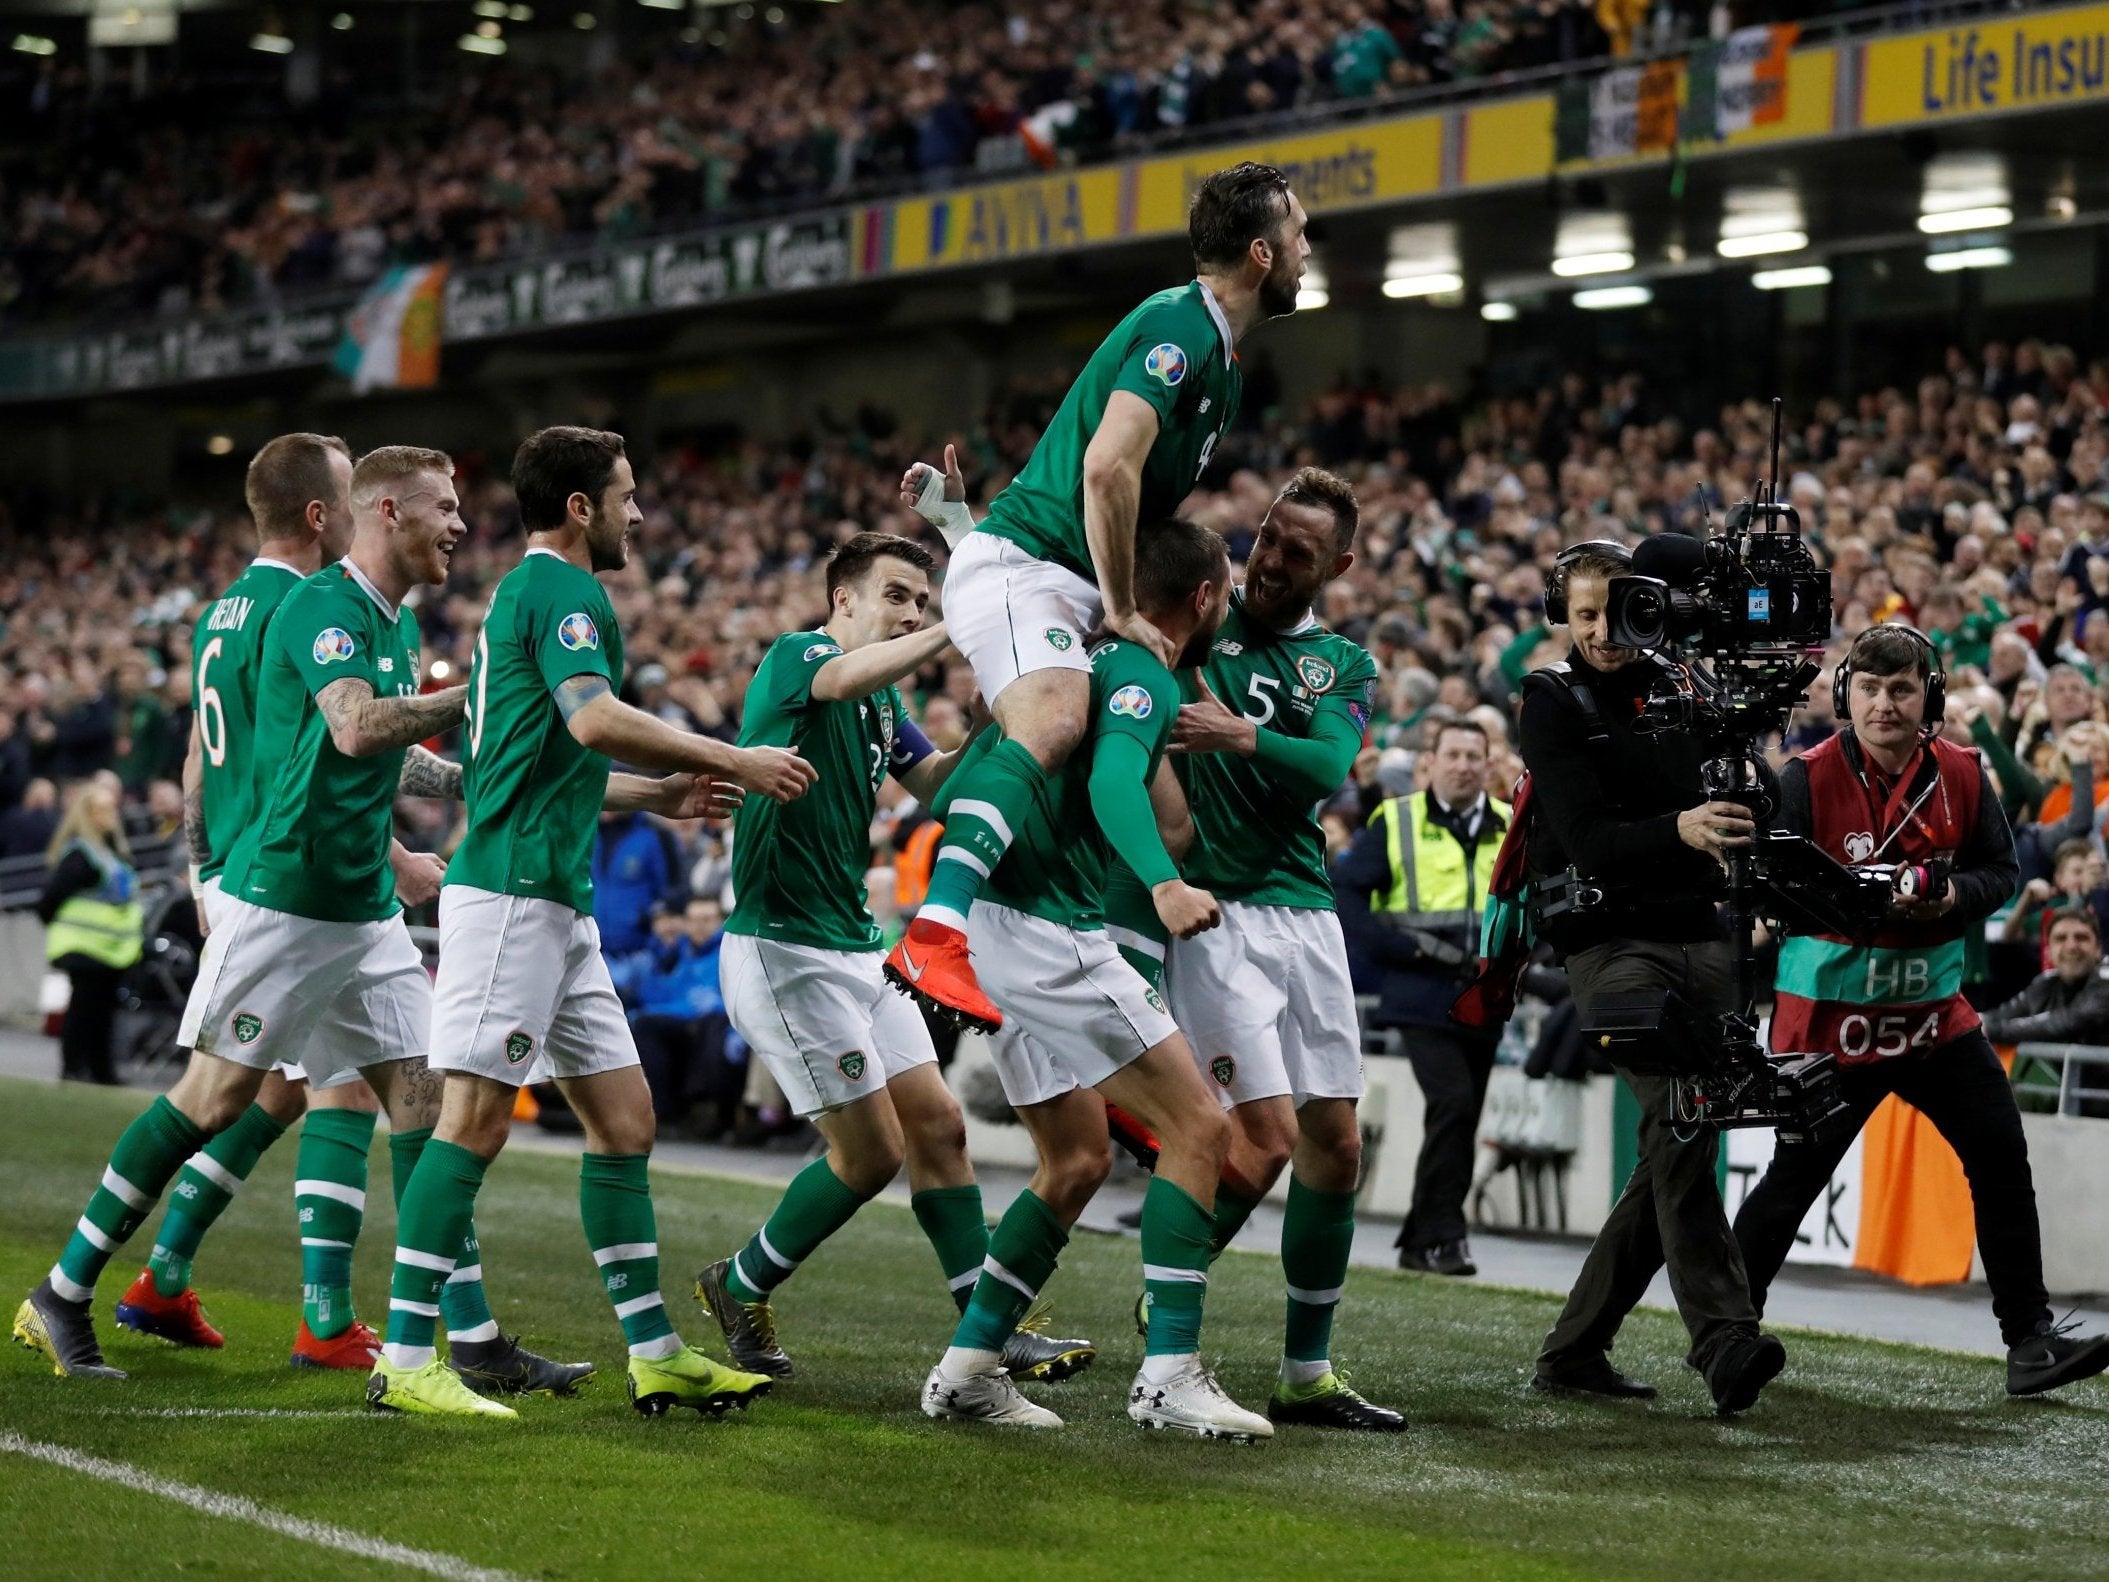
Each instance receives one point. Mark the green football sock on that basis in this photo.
(1023, 1251)
(1233, 1208)
(992, 804)
(952, 1218)
(148, 1155)
(1318, 1233)
(462, 1302)
(1175, 1234)
(436, 1207)
(329, 1195)
(615, 1206)
(814, 1206)
(204, 1187)
(1132, 924)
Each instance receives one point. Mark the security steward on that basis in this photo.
(1624, 816)
(1410, 891)
(1891, 1011)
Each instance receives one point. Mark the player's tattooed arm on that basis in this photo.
(194, 832)
(575, 693)
(427, 774)
(362, 724)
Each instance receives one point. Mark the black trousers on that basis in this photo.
(91, 1014)
(1452, 1068)
(1671, 1210)
(1962, 1088)
(684, 1063)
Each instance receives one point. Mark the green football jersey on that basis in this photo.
(317, 844)
(798, 867)
(1056, 868)
(227, 655)
(1173, 351)
(1252, 841)
(533, 792)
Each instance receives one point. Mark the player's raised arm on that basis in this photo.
(1113, 464)
(860, 672)
(939, 498)
(602, 722)
(362, 724)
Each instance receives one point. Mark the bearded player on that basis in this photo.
(800, 966)
(1055, 559)
(520, 968)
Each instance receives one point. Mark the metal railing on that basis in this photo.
(2073, 1079)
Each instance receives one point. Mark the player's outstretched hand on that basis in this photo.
(686, 796)
(1185, 910)
(417, 876)
(1136, 628)
(1210, 726)
(915, 482)
(774, 772)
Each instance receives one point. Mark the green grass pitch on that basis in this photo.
(1864, 1462)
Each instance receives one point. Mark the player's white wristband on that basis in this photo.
(951, 518)
(196, 888)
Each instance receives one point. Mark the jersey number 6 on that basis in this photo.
(212, 713)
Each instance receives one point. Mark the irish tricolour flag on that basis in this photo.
(392, 340)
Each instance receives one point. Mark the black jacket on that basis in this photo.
(1415, 988)
(2053, 1011)
(1610, 809)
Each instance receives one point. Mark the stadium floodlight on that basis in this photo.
(665, 5)
(519, 13)
(1591, 264)
(1762, 242)
(476, 44)
(271, 43)
(584, 21)
(35, 44)
(220, 445)
(1969, 258)
(1498, 312)
(1429, 285)
(342, 21)
(1788, 279)
(1613, 297)
(490, 10)
(1945, 222)
(1310, 298)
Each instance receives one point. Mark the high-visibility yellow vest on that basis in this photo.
(105, 924)
(1432, 886)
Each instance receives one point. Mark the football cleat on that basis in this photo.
(930, 963)
(1031, 1353)
(356, 1349)
(689, 1378)
(2053, 1357)
(1192, 1402)
(1134, 1139)
(435, 1390)
(1327, 1402)
(750, 1327)
(982, 1398)
(1142, 1315)
(177, 1319)
(505, 1367)
(63, 1333)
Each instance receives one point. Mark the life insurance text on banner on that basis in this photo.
(2034, 60)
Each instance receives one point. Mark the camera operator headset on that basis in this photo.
(1889, 790)
(1626, 812)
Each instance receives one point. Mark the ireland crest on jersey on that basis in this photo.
(1316, 673)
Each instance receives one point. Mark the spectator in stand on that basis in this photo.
(14, 762)
(94, 927)
(2066, 1004)
(637, 874)
(26, 829)
(683, 1037)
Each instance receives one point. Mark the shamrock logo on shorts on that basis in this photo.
(1058, 639)
(1156, 1000)
(248, 1027)
(851, 1066)
(1224, 1070)
(518, 1046)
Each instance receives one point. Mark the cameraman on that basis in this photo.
(1892, 1012)
(1627, 811)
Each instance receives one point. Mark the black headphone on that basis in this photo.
(1936, 678)
(1556, 584)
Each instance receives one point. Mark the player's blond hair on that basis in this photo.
(392, 464)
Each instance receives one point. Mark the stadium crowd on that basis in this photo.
(187, 215)
(1974, 503)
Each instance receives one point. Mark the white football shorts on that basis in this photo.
(827, 1024)
(1268, 1005)
(1012, 615)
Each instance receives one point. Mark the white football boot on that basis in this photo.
(988, 1397)
(1191, 1402)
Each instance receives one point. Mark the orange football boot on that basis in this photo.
(177, 1319)
(356, 1349)
(930, 962)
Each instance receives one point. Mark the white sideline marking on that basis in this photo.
(234, 1508)
(239, 1411)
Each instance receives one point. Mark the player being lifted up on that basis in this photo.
(520, 966)
(1055, 557)
(1266, 998)
(1078, 1017)
(801, 959)
(298, 490)
(308, 958)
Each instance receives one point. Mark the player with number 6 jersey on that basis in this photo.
(1055, 558)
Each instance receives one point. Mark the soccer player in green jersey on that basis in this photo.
(1266, 998)
(1081, 1027)
(520, 968)
(299, 495)
(800, 967)
(1055, 557)
(308, 957)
